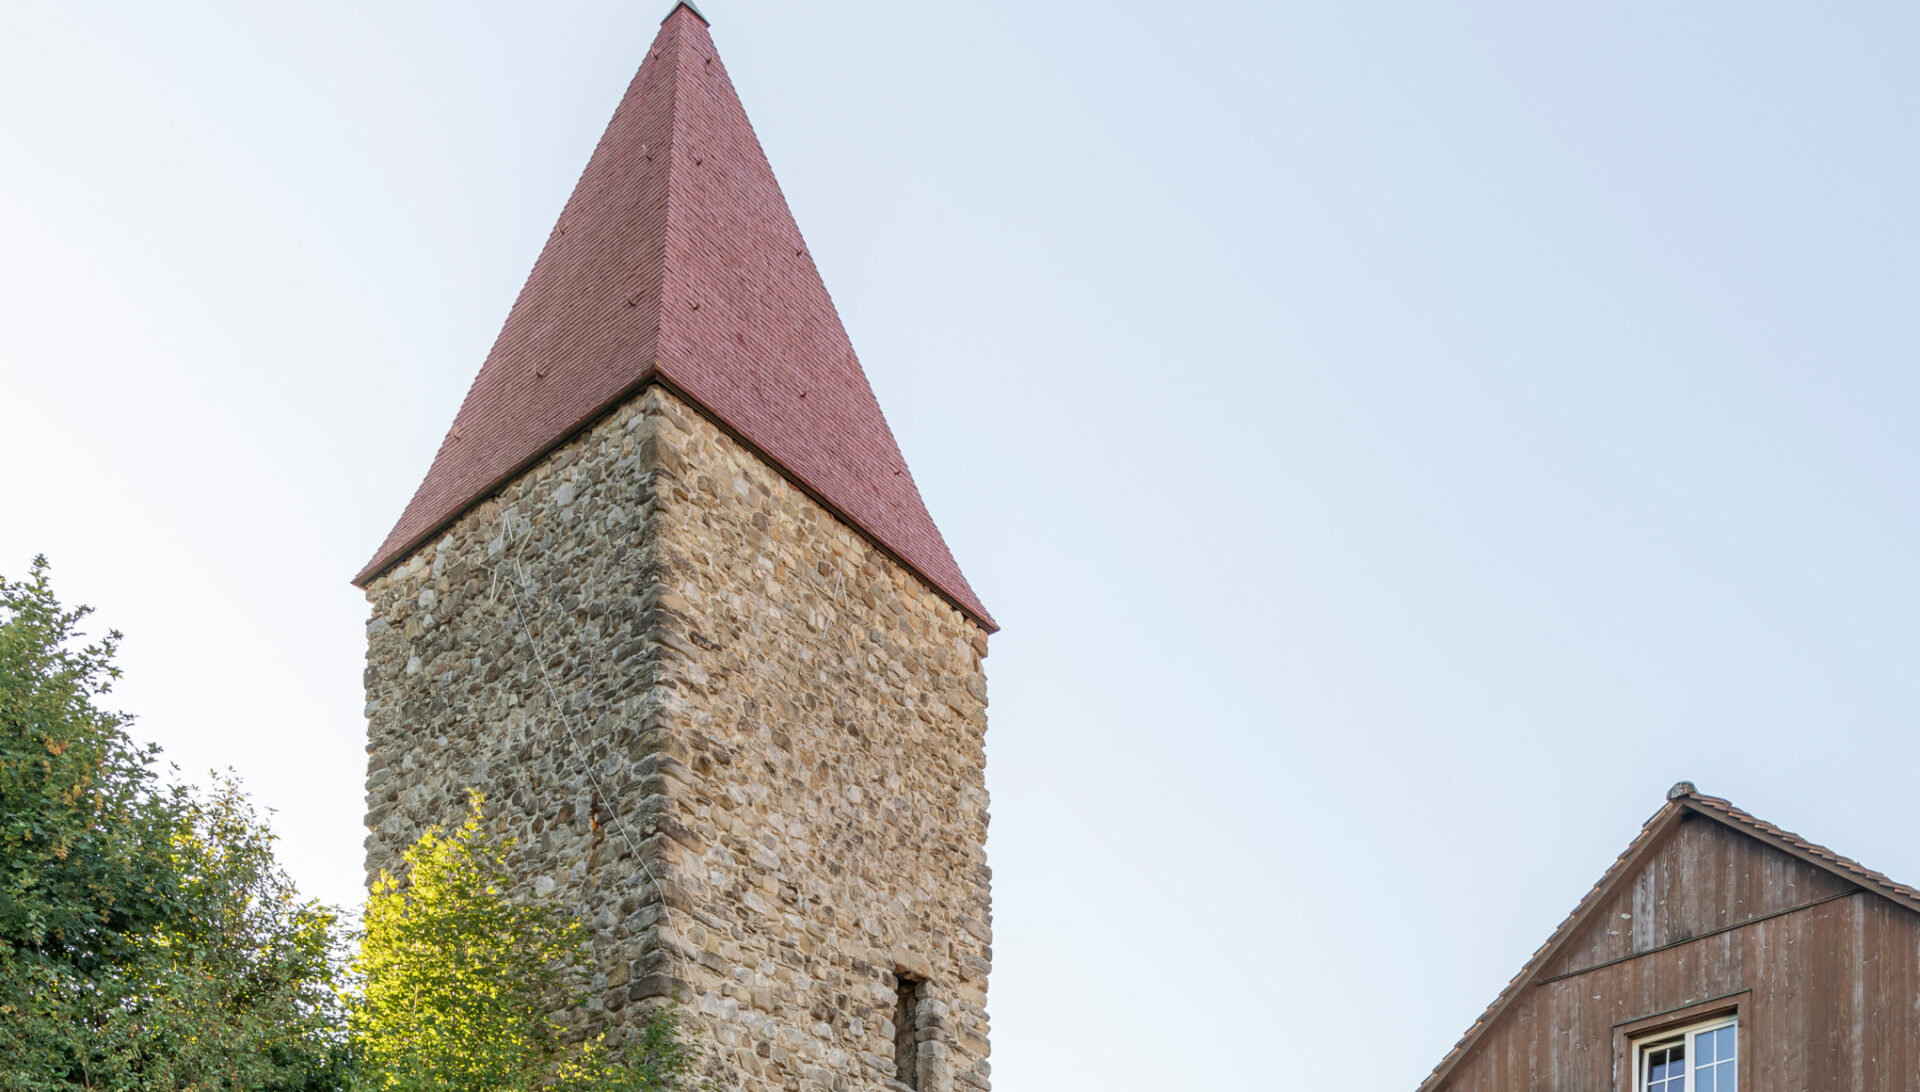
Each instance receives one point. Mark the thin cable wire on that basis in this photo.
(553, 699)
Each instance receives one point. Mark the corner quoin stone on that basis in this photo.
(746, 746)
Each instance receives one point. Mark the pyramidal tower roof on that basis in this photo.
(677, 261)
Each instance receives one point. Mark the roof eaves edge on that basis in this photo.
(1657, 827)
(1783, 841)
(978, 617)
(1698, 804)
(384, 562)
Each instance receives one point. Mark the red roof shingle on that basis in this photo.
(677, 260)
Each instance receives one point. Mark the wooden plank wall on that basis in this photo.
(1828, 977)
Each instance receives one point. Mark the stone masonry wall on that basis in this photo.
(652, 647)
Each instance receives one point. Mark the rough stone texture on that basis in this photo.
(745, 744)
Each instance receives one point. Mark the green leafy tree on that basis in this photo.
(240, 989)
(85, 840)
(458, 982)
(147, 940)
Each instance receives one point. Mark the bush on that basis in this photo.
(147, 939)
(457, 983)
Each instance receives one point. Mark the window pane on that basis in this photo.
(1667, 1069)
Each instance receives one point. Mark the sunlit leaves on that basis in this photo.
(458, 982)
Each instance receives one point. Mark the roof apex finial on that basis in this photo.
(689, 6)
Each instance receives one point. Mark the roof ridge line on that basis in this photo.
(1800, 846)
(1682, 799)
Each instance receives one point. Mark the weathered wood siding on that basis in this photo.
(1831, 979)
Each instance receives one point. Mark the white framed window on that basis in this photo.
(1701, 1058)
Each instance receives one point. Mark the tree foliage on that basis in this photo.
(458, 983)
(84, 837)
(147, 939)
(240, 990)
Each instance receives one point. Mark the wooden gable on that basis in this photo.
(1711, 911)
(1702, 878)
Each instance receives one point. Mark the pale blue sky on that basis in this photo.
(1399, 439)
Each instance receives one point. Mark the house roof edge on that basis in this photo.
(1682, 799)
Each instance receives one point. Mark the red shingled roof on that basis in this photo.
(676, 260)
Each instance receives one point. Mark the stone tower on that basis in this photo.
(669, 597)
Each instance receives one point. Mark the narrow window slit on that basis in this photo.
(909, 992)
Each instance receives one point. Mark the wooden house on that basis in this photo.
(1718, 954)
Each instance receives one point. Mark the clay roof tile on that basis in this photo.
(676, 260)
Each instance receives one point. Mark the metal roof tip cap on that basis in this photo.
(1680, 789)
(689, 6)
